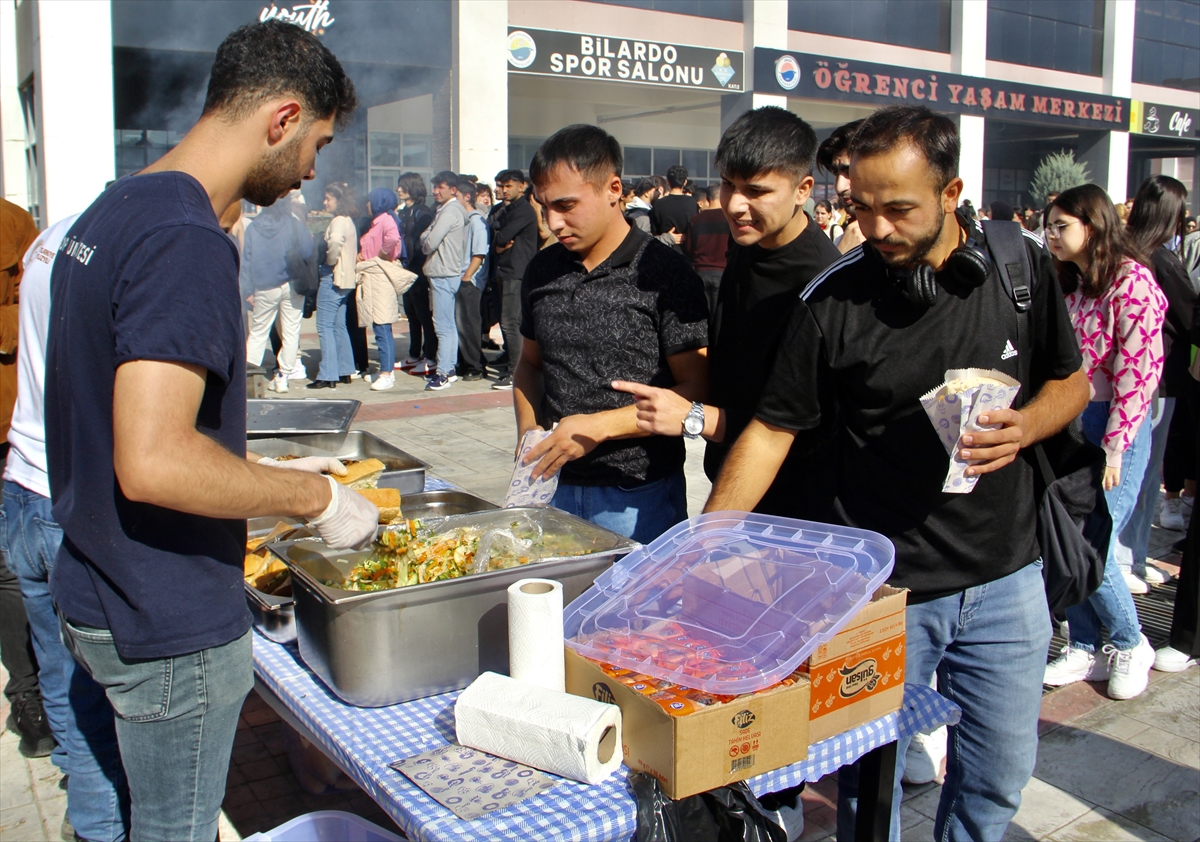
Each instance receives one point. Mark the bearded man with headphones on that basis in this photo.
(874, 332)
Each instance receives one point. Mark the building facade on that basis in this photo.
(91, 90)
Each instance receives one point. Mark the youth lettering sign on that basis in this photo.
(573, 55)
(808, 76)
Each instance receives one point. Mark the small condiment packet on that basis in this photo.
(471, 783)
(954, 408)
(523, 490)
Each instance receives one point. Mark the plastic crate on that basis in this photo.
(327, 826)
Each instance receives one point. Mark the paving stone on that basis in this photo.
(53, 811)
(20, 823)
(926, 803)
(920, 832)
(1071, 702)
(1170, 746)
(1112, 720)
(260, 769)
(1044, 809)
(1104, 826)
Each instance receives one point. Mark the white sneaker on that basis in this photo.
(383, 380)
(923, 760)
(279, 384)
(1129, 669)
(790, 818)
(1134, 584)
(298, 372)
(1172, 660)
(1156, 576)
(1075, 665)
(1172, 514)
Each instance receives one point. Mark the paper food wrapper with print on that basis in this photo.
(954, 409)
(523, 489)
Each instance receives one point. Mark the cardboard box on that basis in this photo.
(706, 749)
(859, 675)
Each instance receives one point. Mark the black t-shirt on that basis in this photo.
(855, 336)
(146, 273)
(674, 210)
(759, 290)
(619, 321)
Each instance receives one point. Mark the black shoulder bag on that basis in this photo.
(1074, 525)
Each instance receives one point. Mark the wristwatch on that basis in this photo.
(693, 422)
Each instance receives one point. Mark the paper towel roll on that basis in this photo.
(566, 735)
(535, 633)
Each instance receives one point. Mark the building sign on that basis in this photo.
(311, 17)
(808, 76)
(1164, 120)
(545, 52)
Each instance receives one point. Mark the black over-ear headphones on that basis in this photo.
(968, 265)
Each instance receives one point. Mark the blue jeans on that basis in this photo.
(987, 645)
(176, 720)
(337, 357)
(444, 292)
(386, 344)
(80, 716)
(1112, 604)
(642, 513)
(1134, 542)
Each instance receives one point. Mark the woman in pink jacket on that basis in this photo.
(382, 240)
(1117, 310)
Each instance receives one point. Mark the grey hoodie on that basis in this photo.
(445, 241)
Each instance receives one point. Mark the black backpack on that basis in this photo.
(1074, 526)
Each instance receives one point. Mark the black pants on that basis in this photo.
(1185, 620)
(358, 335)
(712, 285)
(16, 644)
(1179, 458)
(422, 341)
(489, 307)
(468, 319)
(510, 318)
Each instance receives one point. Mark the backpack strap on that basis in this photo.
(1006, 242)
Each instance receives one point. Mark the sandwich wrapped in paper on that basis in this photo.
(954, 408)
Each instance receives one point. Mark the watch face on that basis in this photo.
(693, 425)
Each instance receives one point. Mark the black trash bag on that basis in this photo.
(726, 814)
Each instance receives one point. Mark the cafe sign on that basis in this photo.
(1164, 120)
(807, 76)
(544, 52)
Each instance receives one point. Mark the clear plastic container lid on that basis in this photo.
(729, 602)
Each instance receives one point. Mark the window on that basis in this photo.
(923, 24)
(32, 179)
(1166, 43)
(1042, 33)
(392, 153)
(719, 9)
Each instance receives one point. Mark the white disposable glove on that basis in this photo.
(312, 464)
(350, 521)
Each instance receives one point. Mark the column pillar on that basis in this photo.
(479, 122)
(13, 183)
(968, 56)
(764, 24)
(1111, 164)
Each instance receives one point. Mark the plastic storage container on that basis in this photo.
(327, 826)
(728, 602)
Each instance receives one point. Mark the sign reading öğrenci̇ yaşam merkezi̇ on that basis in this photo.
(572, 55)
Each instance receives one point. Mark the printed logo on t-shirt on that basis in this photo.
(1009, 350)
(78, 250)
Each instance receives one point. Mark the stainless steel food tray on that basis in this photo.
(402, 470)
(282, 417)
(383, 648)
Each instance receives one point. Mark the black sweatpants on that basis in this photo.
(468, 318)
(510, 319)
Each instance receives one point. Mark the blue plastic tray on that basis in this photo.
(326, 826)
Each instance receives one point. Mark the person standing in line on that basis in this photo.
(833, 156)
(1117, 310)
(381, 241)
(145, 406)
(671, 214)
(705, 244)
(514, 230)
(415, 218)
(443, 244)
(468, 314)
(824, 220)
(337, 274)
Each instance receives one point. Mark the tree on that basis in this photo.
(1057, 172)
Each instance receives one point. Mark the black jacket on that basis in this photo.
(515, 223)
(413, 222)
(1181, 300)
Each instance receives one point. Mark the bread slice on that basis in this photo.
(362, 474)
(387, 499)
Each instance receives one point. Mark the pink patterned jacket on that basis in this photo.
(1120, 334)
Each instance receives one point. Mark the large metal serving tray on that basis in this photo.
(383, 648)
(402, 470)
(275, 616)
(282, 417)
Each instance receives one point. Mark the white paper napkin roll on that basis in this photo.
(535, 633)
(565, 735)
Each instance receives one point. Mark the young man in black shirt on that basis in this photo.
(672, 213)
(766, 162)
(877, 330)
(514, 243)
(833, 156)
(606, 302)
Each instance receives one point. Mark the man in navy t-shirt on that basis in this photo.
(146, 426)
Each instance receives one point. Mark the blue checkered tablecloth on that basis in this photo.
(364, 741)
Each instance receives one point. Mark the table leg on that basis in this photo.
(877, 777)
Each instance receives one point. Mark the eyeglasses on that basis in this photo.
(1055, 229)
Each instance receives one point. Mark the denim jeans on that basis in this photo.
(1134, 541)
(176, 720)
(642, 513)
(1112, 603)
(386, 344)
(337, 356)
(987, 646)
(79, 715)
(444, 292)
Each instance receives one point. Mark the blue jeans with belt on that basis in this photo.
(641, 512)
(80, 716)
(176, 720)
(337, 357)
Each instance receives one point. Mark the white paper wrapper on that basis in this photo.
(523, 490)
(566, 735)
(535, 633)
(954, 408)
